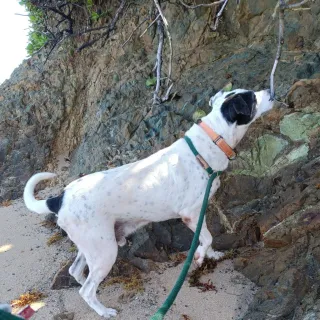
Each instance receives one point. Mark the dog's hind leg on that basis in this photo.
(123, 228)
(214, 254)
(77, 268)
(100, 253)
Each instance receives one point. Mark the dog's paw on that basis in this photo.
(108, 313)
(214, 254)
(198, 259)
(121, 242)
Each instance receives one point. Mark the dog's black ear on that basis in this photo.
(239, 108)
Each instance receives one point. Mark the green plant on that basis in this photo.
(150, 82)
(37, 37)
(94, 15)
(36, 41)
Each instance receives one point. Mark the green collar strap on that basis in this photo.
(202, 162)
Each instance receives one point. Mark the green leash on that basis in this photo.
(8, 316)
(159, 315)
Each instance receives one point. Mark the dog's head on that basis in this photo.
(235, 110)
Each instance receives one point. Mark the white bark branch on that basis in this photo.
(165, 22)
(156, 99)
(215, 27)
(202, 4)
(282, 7)
(150, 25)
(139, 25)
(295, 5)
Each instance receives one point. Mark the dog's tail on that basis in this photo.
(38, 206)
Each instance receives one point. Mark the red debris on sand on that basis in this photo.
(27, 312)
(206, 286)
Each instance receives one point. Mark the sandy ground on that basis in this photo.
(26, 262)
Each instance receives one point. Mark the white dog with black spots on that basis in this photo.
(100, 210)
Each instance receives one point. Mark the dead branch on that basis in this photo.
(91, 29)
(170, 57)
(166, 97)
(295, 5)
(279, 49)
(202, 4)
(57, 10)
(111, 27)
(56, 43)
(219, 14)
(150, 25)
(282, 7)
(156, 99)
(215, 26)
(165, 22)
(139, 25)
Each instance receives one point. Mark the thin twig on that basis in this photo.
(215, 26)
(56, 44)
(150, 25)
(92, 29)
(282, 7)
(202, 4)
(165, 22)
(159, 61)
(170, 57)
(295, 5)
(110, 29)
(166, 97)
(282, 103)
(278, 55)
(139, 25)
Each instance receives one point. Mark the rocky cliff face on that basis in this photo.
(95, 108)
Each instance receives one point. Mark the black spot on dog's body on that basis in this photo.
(54, 204)
(239, 108)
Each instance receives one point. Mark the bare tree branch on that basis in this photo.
(202, 4)
(282, 7)
(215, 26)
(91, 29)
(295, 5)
(110, 28)
(165, 22)
(139, 25)
(62, 14)
(279, 49)
(150, 25)
(156, 99)
(166, 97)
(170, 57)
(55, 44)
(219, 14)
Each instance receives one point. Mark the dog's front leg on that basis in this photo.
(205, 241)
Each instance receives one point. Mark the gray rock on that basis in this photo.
(63, 279)
(64, 316)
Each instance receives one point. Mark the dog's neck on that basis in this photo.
(231, 133)
(215, 157)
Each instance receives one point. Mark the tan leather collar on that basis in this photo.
(218, 140)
